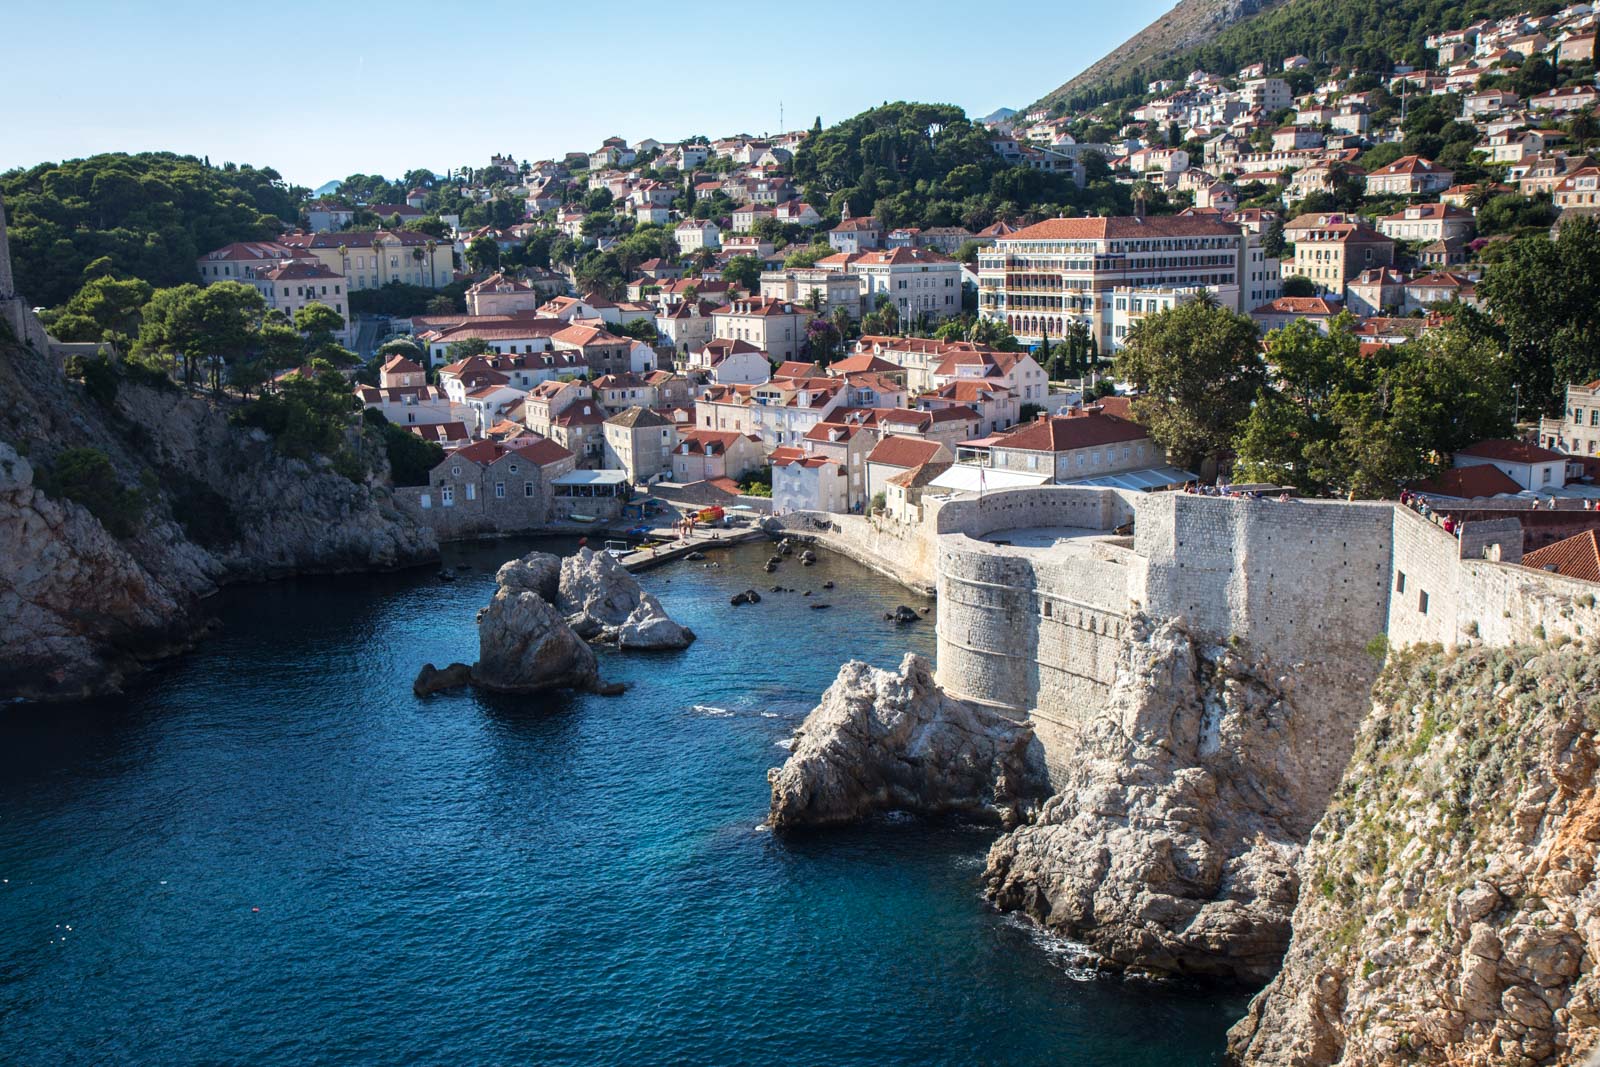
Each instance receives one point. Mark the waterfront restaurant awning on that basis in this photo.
(590, 483)
(1143, 480)
(963, 478)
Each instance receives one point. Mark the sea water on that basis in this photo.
(271, 851)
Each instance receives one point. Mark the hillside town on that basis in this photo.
(646, 325)
(1183, 492)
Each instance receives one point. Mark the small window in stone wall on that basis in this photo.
(1048, 609)
(1400, 581)
(1422, 601)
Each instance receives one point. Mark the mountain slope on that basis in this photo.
(1222, 36)
(1190, 23)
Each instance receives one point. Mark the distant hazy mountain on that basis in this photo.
(327, 189)
(999, 113)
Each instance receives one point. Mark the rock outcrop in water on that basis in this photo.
(884, 741)
(81, 609)
(1171, 847)
(525, 645)
(433, 679)
(534, 634)
(602, 601)
(1451, 912)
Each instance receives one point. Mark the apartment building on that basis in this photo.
(1043, 277)
(1334, 249)
(1577, 431)
(826, 290)
(777, 327)
(372, 259)
(917, 281)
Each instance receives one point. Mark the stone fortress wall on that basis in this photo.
(1036, 632)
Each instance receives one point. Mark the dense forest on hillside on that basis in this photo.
(151, 214)
(1366, 34)
(929, 165)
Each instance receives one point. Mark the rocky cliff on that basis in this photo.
(885, 740)
(81, 608)
(1171, 847)
(1450, 912)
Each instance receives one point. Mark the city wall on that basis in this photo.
(894, 549)
(1316, 587)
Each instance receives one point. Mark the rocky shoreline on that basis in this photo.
(83, 611)
(894, 741)
(1439, 906)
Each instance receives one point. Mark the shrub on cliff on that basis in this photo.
(205, 514)
(99, 377)
(86, 476)
(309, 416)
(410, 457)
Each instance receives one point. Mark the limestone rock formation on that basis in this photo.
(602, 601)
(80, 609)
(525, 645)
(1451, 912)
(538, 572)
(883, 740)
(1171, 846)
(649, 626)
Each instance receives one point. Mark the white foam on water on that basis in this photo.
(1073, 958)
(712, 711)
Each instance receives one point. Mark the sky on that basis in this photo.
(323, 91)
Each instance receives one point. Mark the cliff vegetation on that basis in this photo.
(124, 501)
(1450, 912)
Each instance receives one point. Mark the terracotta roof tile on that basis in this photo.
(1063, 433)
(908, 452)
(1574, 557)
(1511, 451)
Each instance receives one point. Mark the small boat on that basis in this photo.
(575, 517)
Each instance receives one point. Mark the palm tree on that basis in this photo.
(1141, 197)
(432, 246)
(1480, 195)
(842, 323)
(1582, 129)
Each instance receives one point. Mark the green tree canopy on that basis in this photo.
(1541, 298)
(1338, 421)
(483, 254)
(743, 271)
(105, 309)
(318, 321)
(152, 215)
(1195, 369)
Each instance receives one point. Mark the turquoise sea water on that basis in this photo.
(271, 852)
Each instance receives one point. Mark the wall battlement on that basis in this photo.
(1036, 632)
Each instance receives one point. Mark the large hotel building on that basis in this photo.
(1040, 278)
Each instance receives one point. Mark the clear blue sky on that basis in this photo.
(327, 90)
